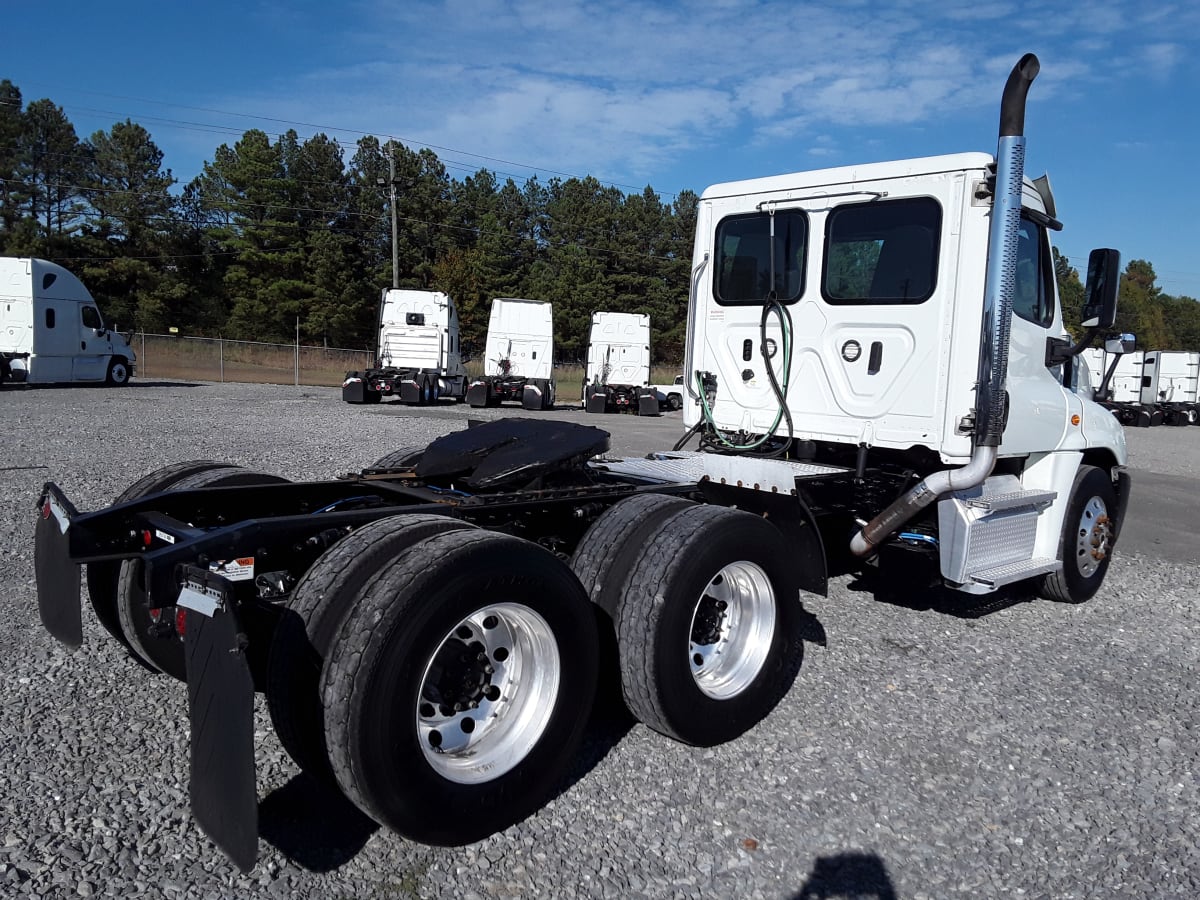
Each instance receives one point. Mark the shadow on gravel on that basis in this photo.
(313, 826)
(918, 594)
(862, 876)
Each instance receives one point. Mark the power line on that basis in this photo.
(318, 127)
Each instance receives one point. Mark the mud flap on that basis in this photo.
(648, 404)
(409, 391)
(221, 709)
(477, 394)
(354, 389)
(57, 575)
(597, 403)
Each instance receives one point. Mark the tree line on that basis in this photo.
(278, 230)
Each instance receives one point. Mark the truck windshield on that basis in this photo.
(882, 252)
(744, 258)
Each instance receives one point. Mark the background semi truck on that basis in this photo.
(880, 382)
(51, 329)
(518, 356)
(419, 358)
(617, 372)
(1171, 382)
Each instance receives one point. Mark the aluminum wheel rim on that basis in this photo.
(732, 627)
(487, 693)
(1093, 537)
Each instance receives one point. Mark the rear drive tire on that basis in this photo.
(319, 603)
(1085, 546)
(151, 634)
(606, 553)
(399, 458)
(103, 578)
(709, 625)
(457, 689)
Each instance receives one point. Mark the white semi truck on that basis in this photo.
(51, 330)
(518, 357)
(617, 373)
(419, 358)
(1171, 382)
(881, 382)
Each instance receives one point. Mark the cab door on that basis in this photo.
(94, 346)
(1039, 406)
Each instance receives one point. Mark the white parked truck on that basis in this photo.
(880, 380)
(1170, 382)
(1119, 385)
(617, 373)
(419, 358)
(671, 395)
(51, 329)
(518, 356)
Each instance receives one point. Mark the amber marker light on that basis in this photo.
(1075, 419)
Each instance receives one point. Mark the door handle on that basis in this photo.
(876, 360)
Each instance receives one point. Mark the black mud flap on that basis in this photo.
(409, 391)
(477, 394)
(648, 404)
(597, 403)
(57, 575)
(354, 389)
(221, 708)
(1124, 486)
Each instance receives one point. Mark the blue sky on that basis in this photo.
(676, 95)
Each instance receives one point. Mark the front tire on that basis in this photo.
(1085, 545)
(457, 689)
(709, 625)
(118, 372)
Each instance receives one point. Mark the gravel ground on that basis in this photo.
(929, 748)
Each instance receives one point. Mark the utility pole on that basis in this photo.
(395, 231)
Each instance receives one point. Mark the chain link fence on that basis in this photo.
(219, 359)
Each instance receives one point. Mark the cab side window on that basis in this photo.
(760, 256)
(91, 318)
(882, 252)
(1033, 285)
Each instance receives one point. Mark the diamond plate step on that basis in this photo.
(1010, 572)
(1012, 500)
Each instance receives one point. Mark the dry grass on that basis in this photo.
(205, 359)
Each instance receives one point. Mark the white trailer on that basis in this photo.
(418, 357)
(51, 329)
(617, 372)
(878, 357)
(1171, 382)
(518, 355)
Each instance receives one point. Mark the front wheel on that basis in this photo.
(118, 372)
(457, 689)
(1085, 545)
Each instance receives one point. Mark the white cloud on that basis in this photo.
(621, 88)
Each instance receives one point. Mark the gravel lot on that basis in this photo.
(930, 748)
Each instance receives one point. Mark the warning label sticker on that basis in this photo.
(241, 569)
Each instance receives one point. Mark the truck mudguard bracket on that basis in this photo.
(223, 792)
(57, 575)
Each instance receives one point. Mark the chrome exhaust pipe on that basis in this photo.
(990, 397)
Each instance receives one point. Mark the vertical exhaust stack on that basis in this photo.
(1002, 255)
(997, 322)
